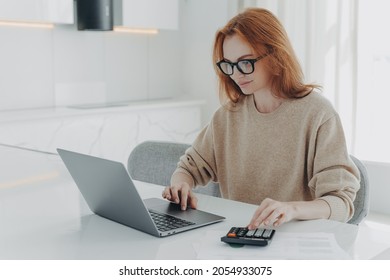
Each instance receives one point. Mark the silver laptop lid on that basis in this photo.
(108, 190)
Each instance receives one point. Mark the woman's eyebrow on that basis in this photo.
(240, 58)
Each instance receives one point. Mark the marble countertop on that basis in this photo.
(90, 109)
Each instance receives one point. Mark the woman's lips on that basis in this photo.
(243, 84)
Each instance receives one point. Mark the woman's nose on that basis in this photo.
(236, 74)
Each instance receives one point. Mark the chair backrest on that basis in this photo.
(362, 200)
(155, 161)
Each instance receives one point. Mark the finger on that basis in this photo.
(282, 219)
(192, 200)
(260, 218)
(256, 215)
(272, 217)
(184, 195)
(256, 221)
(170, 193)
(174, 193)
(166, 193)
(262, 207)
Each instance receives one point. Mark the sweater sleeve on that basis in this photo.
(335, 178)
(199, 160)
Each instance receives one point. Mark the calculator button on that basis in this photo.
(242, 232)
(258, 233)
(267, 233)
(250, 233)
(233, 232)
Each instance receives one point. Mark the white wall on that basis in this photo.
(379, 183)
(61, 66)
(200, 20)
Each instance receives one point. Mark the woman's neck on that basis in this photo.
(266, 102)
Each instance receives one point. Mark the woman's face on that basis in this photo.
(235, 49)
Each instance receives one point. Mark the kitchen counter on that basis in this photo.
(105, 130)
(91, 109)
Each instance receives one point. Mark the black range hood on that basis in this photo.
(95, 15)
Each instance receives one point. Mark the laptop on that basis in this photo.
(110, 193)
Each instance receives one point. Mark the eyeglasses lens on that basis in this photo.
(244, 66)
(226, 68)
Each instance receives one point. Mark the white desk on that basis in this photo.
(43, 216)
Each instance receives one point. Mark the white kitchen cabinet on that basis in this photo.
(156, 14)
(52, 11)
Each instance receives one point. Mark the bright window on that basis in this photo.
(372, 138)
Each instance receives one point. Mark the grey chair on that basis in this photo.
(362, 200)
(154, 162)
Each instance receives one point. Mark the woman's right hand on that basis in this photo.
(181, 193)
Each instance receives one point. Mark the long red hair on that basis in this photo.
(264, 33)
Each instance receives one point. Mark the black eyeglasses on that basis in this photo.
(245, 66)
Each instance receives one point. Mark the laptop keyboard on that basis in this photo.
(166, 222)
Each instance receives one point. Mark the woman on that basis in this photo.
(275, 141)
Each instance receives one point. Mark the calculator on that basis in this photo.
(244, 236)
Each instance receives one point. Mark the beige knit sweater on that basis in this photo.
(297, 152)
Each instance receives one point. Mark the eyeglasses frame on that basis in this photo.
(232, 64)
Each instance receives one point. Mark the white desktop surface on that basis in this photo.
(43, 216)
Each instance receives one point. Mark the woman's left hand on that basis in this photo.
(272, 213)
